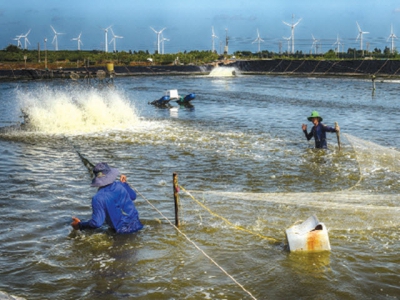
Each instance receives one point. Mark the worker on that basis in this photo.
(113, 203)
(318, 131)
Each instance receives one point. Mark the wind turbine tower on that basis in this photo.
(392, 36)
(106, 38)
(338, 43)
(55, 39)
(315, 45)
(213, 36)
(360, 35)
(158, 37)
(292, 26)
(163, 39)
(79, 41)
(258, 40)
(288, 43)
(114, 39)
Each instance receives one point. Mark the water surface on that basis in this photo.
(240, 152)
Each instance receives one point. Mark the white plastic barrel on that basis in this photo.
(311, 235)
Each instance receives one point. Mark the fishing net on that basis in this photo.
(373, 202)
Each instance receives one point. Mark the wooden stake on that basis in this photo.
(337, 135)
(176, 197)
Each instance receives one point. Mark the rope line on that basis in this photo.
(381, 67)
(89, 165)
(197, 247)
(271, 239)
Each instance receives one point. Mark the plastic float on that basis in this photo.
(311, 235)
(172, 95)
(163, 102)
(186, 99)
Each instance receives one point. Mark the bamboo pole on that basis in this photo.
(176, 197)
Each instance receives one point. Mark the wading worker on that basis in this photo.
(318, 131)
(113, 203)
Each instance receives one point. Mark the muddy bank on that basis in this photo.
(361, 68)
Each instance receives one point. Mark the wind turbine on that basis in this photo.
(360, 35)
(392, 36)
(79, 41)
(213, 36)
(162, 40)
(25, 36)
(55, 39)
(338, 43)
(105, 38)
(292, 26)
(114, 39)
(315, 44)
(288, 43)
(258, 40)
(18, 39)
(158, 37)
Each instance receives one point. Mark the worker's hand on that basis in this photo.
(304, 127)
(123, 178)
(75, 223)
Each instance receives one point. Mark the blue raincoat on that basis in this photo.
(319, 134)
(113, 204)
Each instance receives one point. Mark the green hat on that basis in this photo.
(314, 114)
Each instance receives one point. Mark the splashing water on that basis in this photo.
(77, 111)
(223, 72)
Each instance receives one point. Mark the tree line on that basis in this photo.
(81, 58)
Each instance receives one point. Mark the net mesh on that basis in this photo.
(371, 204)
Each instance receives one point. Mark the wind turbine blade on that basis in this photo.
(286, 23)
(153, 29)
(297, 23)
(359, 29)
(53, 29)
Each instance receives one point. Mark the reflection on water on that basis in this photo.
(241, 153)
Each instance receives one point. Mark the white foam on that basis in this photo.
(77, 111)
(223, 72)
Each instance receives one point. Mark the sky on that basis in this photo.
(188, 24)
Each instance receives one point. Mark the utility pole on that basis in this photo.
(226, 41)
(45, 53)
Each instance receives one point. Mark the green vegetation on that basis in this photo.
(12, 55)
(63, 58)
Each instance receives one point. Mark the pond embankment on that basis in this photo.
(357, 68)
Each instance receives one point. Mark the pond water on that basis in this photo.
(247, 173)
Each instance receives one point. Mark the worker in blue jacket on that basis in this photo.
(318, 131)
(113, 203)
